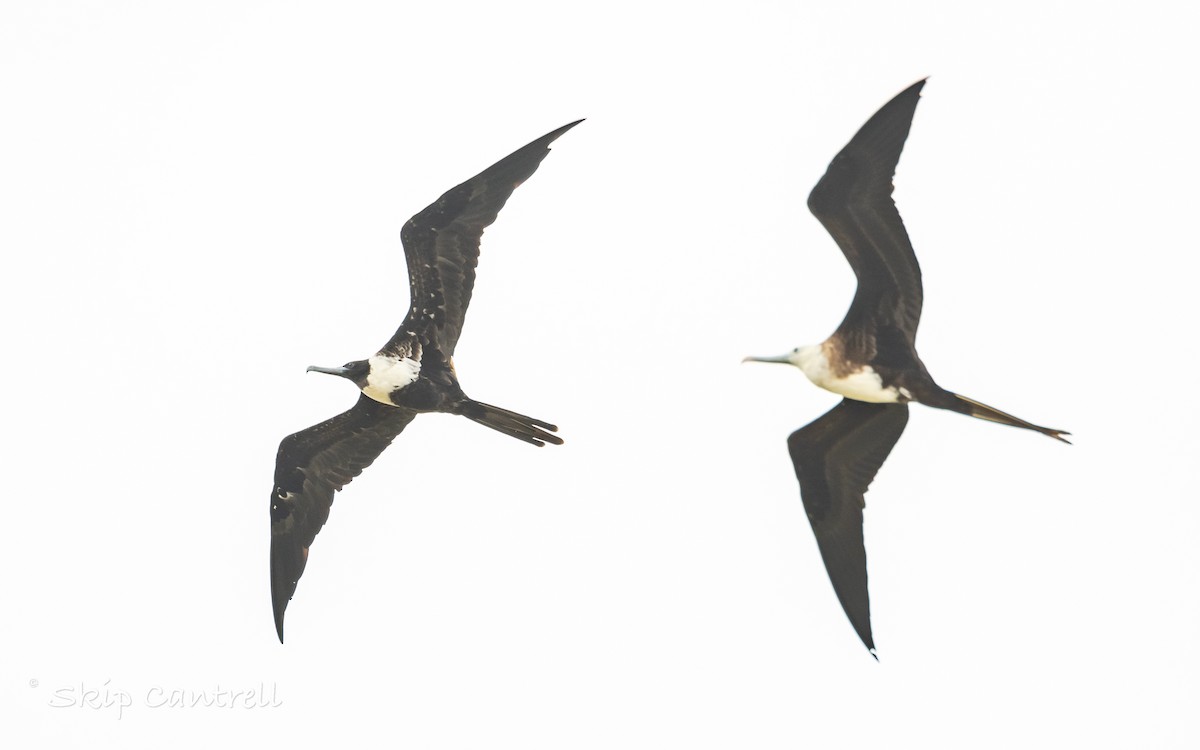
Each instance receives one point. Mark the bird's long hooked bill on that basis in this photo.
(782, 359)
(327, 370)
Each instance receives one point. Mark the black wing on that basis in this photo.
(854, 203)
(311, 465)
(442, 245)
(836, 457)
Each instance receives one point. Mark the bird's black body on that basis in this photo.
(412, 373)
(871, 359)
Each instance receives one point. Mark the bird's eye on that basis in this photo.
(796, 350)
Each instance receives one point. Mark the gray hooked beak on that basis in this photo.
(781, 359)
(339, 371)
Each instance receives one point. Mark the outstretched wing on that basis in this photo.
(441, 245)
(836, 457)
(311, 465)
(854, 203)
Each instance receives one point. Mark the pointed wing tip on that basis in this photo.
(912, 92)
(280, 607)
(553, 135)
(283, 587)
(905, 100)
(866, 636)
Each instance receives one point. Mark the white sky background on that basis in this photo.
(201, 200)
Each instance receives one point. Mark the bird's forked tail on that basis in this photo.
(533, 431)
(964, 405)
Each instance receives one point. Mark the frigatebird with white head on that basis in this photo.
(412, 373)
(871, 359)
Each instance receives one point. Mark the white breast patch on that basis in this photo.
(389, 374)
(862, 385)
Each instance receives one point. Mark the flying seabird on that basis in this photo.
(871, 359)
(412, 373)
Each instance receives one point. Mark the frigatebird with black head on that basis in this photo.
(871, 359)
(412, 373)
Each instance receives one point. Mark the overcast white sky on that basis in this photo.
(200, 200)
